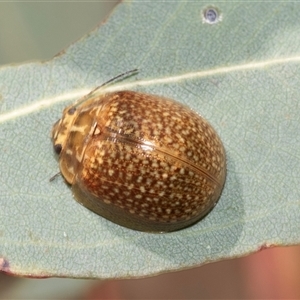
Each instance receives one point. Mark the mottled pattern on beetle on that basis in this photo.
(148, 184)
(153, 158)
(132, 154)
(167, 125)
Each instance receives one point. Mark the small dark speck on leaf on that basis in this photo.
(211, 15)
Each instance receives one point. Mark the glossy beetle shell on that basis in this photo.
(140, 160)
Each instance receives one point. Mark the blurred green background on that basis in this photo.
(38, 31)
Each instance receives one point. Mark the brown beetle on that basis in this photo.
(142, 161)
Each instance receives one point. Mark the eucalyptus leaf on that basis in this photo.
(236, 64)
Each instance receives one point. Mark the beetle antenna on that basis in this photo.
(54, 176)
(125, 74)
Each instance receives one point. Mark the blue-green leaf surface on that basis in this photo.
(241, 73)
